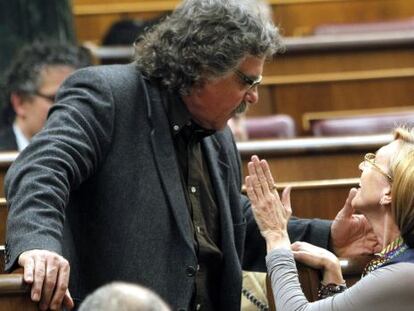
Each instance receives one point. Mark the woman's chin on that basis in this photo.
(355, 201)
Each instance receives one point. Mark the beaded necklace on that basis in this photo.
(391, 251)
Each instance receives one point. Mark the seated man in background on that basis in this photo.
(31, 85)
(121, 296)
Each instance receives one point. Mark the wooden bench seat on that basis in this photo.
(15, 294)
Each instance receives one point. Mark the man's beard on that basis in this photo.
(241, 108)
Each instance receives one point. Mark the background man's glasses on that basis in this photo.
(50, 98)
(249, 81)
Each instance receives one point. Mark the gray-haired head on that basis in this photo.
(24, 75)
(120, 296)
(205, 39)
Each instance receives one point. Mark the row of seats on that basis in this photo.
(297, 18)
(328, 124)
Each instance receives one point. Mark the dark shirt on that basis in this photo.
(201, 202)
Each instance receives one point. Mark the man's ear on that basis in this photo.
(18, 104)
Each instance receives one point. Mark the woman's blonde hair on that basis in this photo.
(402, 193)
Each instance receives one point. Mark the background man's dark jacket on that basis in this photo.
(7, 139)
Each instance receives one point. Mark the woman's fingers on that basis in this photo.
(254, 181)
(261, 170)
(308, 259)
(286, 199)
(269, 178)
(250, 190)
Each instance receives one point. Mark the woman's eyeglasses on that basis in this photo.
(370, 158)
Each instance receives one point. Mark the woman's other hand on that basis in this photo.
(319, 258)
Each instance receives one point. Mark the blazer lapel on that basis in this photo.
(167, 165)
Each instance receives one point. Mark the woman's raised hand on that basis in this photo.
(271, 213)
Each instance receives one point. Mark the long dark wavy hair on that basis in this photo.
(205, 39)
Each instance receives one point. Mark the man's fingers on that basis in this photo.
(27, 263)
(68, 301)
(61, 289)
(52, 270)
(49, 274)
(39, 276)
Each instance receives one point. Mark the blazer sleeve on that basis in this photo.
(65, 153)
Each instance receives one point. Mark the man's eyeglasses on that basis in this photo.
(249, 81)
(370, 158)
(50, 98)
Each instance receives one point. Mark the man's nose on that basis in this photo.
(252, 95)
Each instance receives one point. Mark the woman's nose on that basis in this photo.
(361, 166)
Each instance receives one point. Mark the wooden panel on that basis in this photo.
(336, 60)
(300, 17)
(321, 199)
(313, 158)
(6, 159)
(93, 28)
(3, 220)
(345, 73)
(309, 118)
(15, 294)
(295, 17)
(311, 167)
(296, 100)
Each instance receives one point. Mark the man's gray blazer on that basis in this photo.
(100, 185)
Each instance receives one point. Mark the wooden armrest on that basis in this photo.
(352, 268)
(15, 294)
(13, 284)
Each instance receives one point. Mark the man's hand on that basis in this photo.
(48, 273)
(352, 235)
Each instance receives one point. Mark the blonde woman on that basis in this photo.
(385, 196)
